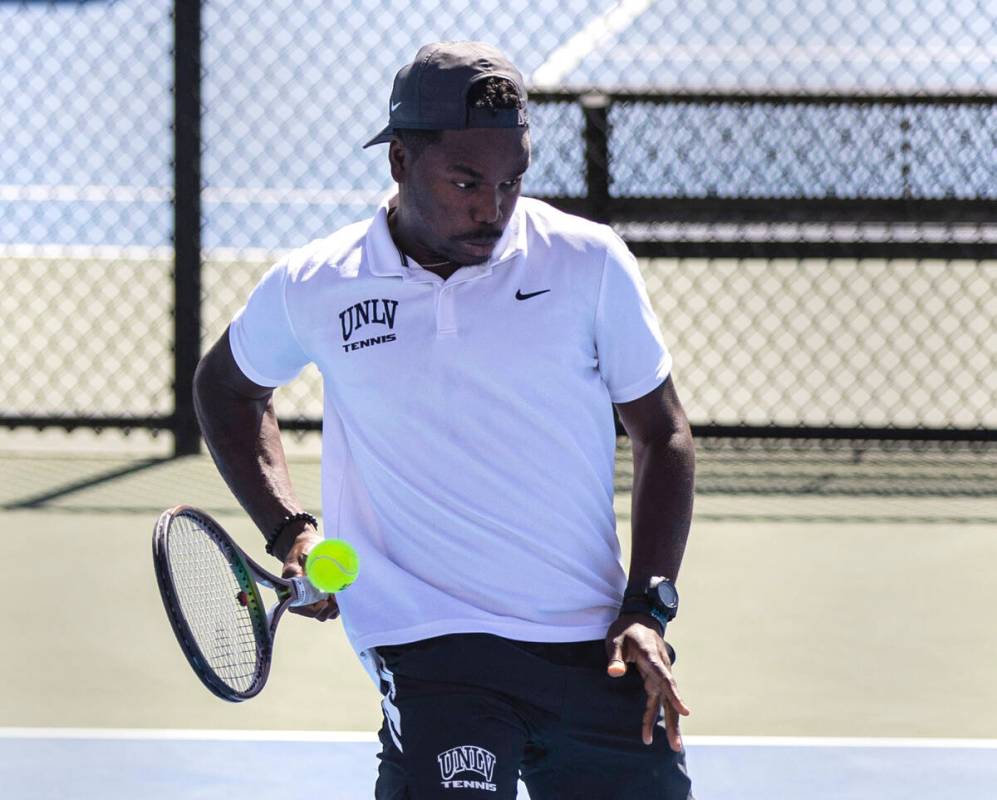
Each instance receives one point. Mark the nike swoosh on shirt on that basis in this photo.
(521, 296)
(395, 105)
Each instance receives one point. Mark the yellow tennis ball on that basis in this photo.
(332, 565)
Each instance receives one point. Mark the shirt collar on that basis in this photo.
(383, 258)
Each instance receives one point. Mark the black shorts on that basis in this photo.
(467, 715)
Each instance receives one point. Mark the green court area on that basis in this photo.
(826, 592)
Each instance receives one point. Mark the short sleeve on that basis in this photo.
(633, 358)
(262, 336)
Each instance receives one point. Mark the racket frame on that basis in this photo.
(264, 624)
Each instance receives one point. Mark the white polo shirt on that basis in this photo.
(468, 437)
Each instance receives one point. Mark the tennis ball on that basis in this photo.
(332, 565)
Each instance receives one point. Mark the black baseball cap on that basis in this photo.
(431, 92)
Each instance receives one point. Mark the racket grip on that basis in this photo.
(305, 593)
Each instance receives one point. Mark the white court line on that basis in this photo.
(170, 734)
(291, 196)
(760, 52)
(238, 195)
(841, 741)
(753, 51)
(569, 55)
(91, 193)
(85, 252)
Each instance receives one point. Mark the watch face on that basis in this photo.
(667, 595)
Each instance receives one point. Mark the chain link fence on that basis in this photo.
(85, 212)
(803, 149)
(784, 343)
(811, 188)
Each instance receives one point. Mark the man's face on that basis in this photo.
(458, 194)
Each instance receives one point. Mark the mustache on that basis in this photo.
(488, 235)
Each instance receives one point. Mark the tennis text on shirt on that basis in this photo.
(364, 314)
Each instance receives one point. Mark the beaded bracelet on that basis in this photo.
(301, 515)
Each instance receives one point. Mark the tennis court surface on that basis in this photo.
(836, 638)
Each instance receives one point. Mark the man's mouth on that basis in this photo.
(481, 238)
(478, 247)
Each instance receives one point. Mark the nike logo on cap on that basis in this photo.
(395, 105)
(521, 296)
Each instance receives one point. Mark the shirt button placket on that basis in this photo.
(446, 315)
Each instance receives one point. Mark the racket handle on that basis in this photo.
(305, 593)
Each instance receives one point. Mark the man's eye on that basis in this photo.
(513, 183)
(463, 184)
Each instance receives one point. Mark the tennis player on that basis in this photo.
(472, 343)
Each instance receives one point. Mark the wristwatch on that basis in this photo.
(658, 598)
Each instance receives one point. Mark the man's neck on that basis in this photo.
(410, 249)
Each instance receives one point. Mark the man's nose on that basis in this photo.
(487, 208)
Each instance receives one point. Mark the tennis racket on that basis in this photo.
(211, 592)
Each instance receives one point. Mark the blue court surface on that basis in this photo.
(41, 764)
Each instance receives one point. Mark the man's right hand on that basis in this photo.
(636, 639)
(239, 425)
(294, 566)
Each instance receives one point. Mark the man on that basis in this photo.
(471, 345)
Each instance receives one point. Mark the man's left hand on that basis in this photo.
(634, 639)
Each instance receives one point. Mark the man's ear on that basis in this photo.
(400, 160)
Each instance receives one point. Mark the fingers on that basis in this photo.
(653, 657)
(674, 701)
(658, 680)
(650, 717)
(322, 611)
(617, 666)
(672, 727)
(328, 609)
(662, 691)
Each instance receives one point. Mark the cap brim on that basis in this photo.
(383, 137)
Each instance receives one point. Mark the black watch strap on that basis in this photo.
(636, 604)
(640, 604)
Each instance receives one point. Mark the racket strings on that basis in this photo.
(208, 586)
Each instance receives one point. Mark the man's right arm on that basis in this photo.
(240, 428)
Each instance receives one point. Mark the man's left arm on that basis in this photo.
(662, 497)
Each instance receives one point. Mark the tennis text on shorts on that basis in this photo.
(364, 313)
(467, 759)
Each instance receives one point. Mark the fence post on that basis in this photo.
(595, 108)
(186, 221)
